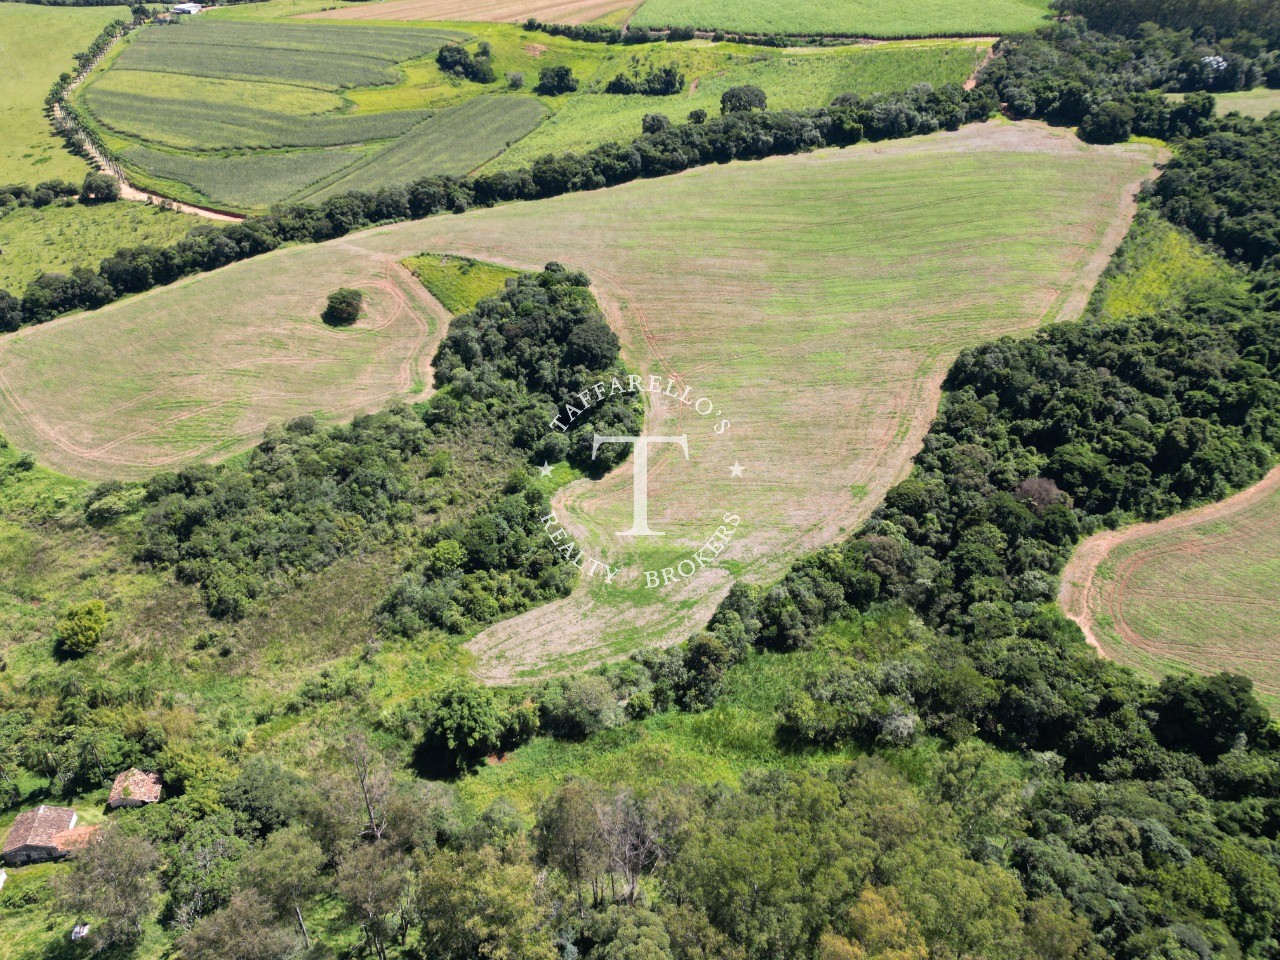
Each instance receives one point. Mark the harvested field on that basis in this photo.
(179, 377)
(1196, 592)
(493, 11)
(816, 300)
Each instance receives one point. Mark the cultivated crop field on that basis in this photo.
(496, 11)
(817, 300)
(875, 18)
(792, 80)
(160, 381)
(36, 45)
(455, 141)
(194, 112)
(57, 238)
(1195, 592)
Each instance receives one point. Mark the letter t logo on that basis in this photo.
(640, 478)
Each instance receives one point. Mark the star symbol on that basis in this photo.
(736, 470)
(545, 469)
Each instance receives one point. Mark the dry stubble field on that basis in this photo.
(1194, 592)
(816, 300)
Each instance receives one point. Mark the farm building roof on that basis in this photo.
(38, 828)
(134, 787)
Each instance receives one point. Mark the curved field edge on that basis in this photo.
(819, 299)
(164, 380)
(1194, 592)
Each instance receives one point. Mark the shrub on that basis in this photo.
(698, 116)
(99, 188)
(80, 629)
(515, 80)
(739, 99)
(553, 81)
(344, 307)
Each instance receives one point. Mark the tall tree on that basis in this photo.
(112, 886)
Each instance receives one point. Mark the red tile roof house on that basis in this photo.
(133, 788)
(45, 833)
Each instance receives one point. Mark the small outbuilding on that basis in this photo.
(45, 833)
(134, 788)
(187, 8)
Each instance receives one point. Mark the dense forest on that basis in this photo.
(958, 775)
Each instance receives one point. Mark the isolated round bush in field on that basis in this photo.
(80, 629)
(344, 307)
(739, 99)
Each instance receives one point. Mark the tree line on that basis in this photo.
(738, 134)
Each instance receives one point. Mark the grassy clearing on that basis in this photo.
(36, 46)
(791, 79)
(1197, 593)
(459, 283)
(816, 300)
(1157, 267)
(58, 238)
(456, 141)
(1252, 103)
(720, 745)
(876, 18)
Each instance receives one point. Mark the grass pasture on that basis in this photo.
(36, 46)
(792, 79)
(876, 18)
(1195, 592)
(817, 300)
(57, 238)
(1257, 102)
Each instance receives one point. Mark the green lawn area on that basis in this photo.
(57, 238)
(459, 283)
(36, 45)
(1252, 103)
(874, 18)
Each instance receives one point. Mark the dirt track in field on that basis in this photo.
(1086, 597)
(485, 11)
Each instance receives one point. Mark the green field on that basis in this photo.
(36, 46)
(782, 289)
(876, 18)
(58, 238)
(1252, 103)
(791, 79)
(455, 141)
(459, 283)
(176, 101)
